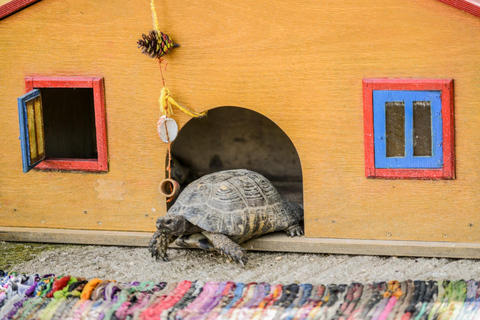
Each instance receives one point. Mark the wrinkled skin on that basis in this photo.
(159, 243)
(222, 221)
(169, 228)
(173, 227)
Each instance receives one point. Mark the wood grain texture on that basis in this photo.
(301, 65)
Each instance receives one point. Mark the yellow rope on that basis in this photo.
(166, 103)
(154, 16)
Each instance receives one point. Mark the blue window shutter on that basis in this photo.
(408, 161)
(32, 138)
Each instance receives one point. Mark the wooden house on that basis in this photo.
(364, 112)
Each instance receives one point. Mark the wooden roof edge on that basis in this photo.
(13, 6)
(470, 6)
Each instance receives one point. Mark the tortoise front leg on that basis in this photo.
(226, 246)
(153, 243)
(159, 243)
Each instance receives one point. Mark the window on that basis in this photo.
(408, 128)
(62, 124)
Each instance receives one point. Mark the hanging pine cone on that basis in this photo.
(156, 45)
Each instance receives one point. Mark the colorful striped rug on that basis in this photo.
(65, 297)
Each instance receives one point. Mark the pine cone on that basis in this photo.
(156, 45)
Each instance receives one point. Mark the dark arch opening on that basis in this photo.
(237, 138)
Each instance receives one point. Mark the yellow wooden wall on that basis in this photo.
(300, 63)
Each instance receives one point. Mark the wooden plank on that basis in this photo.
(277, 242)
(300, 65)
(87, 237)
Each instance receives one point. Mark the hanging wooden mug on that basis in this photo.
(167, 129)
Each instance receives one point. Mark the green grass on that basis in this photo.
(13, 253)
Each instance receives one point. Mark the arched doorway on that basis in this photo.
(238, 138)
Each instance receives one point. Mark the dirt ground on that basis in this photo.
(127, 264)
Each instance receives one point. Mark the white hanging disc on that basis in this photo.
(167, 129)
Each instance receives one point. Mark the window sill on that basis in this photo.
(91, 165)
(430, 174)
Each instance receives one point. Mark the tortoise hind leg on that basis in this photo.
(227, 246)
(294, 230)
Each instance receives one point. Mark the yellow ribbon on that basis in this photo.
(166, 103)
(154, 16)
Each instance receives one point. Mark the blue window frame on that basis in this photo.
(30, 115)
(397, 134)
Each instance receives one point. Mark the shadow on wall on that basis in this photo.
(237, 138)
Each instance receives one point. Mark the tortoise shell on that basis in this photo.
(240, 203)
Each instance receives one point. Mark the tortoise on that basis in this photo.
(223, 209)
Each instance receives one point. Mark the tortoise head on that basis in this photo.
(169, 228)
(172, 224)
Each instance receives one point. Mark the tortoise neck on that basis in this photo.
(190, 228)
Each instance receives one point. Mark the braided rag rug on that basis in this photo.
(66, 297)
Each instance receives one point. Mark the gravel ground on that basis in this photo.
(126, 264)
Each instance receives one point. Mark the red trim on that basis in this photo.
(96, 83)
(69, 164)
(14, 6)
(408, 174)
(446, 88)
(464, 5)
(61, 82)
(368, 129)
(100, 123)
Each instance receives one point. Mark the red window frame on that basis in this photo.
(445, 86)
(96, 83)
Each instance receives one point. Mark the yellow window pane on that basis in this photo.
(32, 134)
(39, 126)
